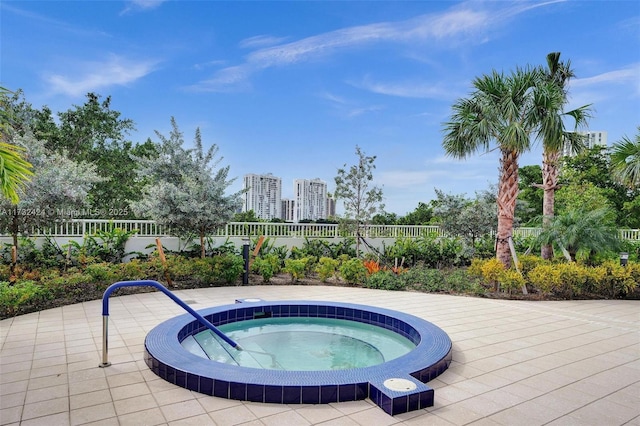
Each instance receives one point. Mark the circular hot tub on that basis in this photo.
(396, 385)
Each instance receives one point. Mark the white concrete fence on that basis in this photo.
(281, 234)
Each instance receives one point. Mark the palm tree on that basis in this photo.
(590, 231)
(501, 109)
(15, 171)
(625, 159)
(553, 133)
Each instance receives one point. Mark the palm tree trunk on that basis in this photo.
(507, 195)
(550, 170)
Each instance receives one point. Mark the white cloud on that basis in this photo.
(260, 41)
(464, 22)
(405, 89)
(141, 5)
(93, 76)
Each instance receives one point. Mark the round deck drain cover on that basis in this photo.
(400, 385)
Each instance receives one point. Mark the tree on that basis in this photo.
(57, 191)
(554, 96)
(589, 231)
(385, 218)
(422, 215)
(529, 193)
(625, 159)
(186, 189)
(353, 186)
(595, 167)
(248, 216)
(469, 219)
(504, 110)
(96, 133)
(15, 171)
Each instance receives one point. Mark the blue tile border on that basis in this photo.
(166, 357)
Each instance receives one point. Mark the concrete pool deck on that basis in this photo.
(514, 363)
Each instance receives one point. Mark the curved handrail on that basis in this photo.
(157, 285)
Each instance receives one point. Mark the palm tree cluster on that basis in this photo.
(509, 112)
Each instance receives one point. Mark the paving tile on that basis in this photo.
(148, 417)
(45, 408)
(92, 414)
(181, 410)
(137, 403)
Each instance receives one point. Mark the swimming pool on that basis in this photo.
(396, 385)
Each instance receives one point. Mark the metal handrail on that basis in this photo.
(155, 284)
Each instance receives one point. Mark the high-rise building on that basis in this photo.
(288, 210)
(331, 206)
(310, 199)
(592, 140)
(263, 195)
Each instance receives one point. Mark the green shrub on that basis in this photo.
(267, 266)
(326, 268)
(545, 278)
(353, 271)
(296, 268)
(511, 280)
(15, 297)
(101, 272)
(385, 280)
(424, 279)
(227, 268)
(619, 280)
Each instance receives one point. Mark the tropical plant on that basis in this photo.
(502, 109)
(575, 231)
(553, 95)
(625, 159)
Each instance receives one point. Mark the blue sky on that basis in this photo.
(291, 88)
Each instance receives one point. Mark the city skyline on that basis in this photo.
(294, 87)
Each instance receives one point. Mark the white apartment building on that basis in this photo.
(593, 139)
(263, 195)
(310, 199)
(288, 210)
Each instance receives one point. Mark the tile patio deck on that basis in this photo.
(514, 363)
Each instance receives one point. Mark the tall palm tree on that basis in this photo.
(501, 110)
(553, 133)
(625, 159)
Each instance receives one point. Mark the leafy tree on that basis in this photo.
(554, 96)
(470, 219)
(385, 218)
(186, 188)
(625, 159)
(529, 194)
(422, 215)
(503, 109)
(96, 133)
(57, 191)
(587, 231)
(353, 186)
(595, 167)
(248, 216)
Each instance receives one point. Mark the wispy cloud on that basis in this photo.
(260, 41)
(406, 89)
(464, 22)
(348, 108)
(51, 22)
(93, 76)
(141, 5)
